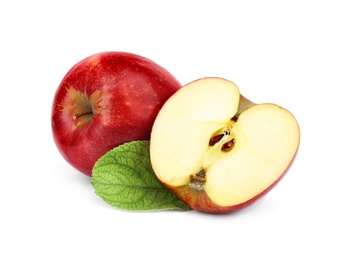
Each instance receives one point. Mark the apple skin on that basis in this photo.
(105, 100)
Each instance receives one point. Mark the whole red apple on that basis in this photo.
(106, 100)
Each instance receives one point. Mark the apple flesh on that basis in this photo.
(105, 100)
(216, 150)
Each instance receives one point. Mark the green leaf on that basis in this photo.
(124, 178)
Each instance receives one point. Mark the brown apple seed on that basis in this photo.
(215, 139)
(226, 147)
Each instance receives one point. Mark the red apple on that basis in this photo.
(106, 100)
(218, 151)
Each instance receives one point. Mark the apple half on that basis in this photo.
(216, 150)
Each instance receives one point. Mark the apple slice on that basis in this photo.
(218, 151)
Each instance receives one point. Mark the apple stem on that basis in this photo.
(197, 181)
(82, 114)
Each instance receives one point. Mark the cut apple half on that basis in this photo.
(218, 151)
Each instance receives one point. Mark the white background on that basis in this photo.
(292, 53)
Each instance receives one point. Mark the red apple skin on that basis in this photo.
(104, 101)
(200, 201)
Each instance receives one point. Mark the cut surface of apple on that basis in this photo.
(218, 151)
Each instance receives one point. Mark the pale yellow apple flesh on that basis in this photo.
(251, 145)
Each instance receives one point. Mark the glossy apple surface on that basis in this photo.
(106, 100)
(218, 151)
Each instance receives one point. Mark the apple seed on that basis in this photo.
(215, 139)
(226, 147)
